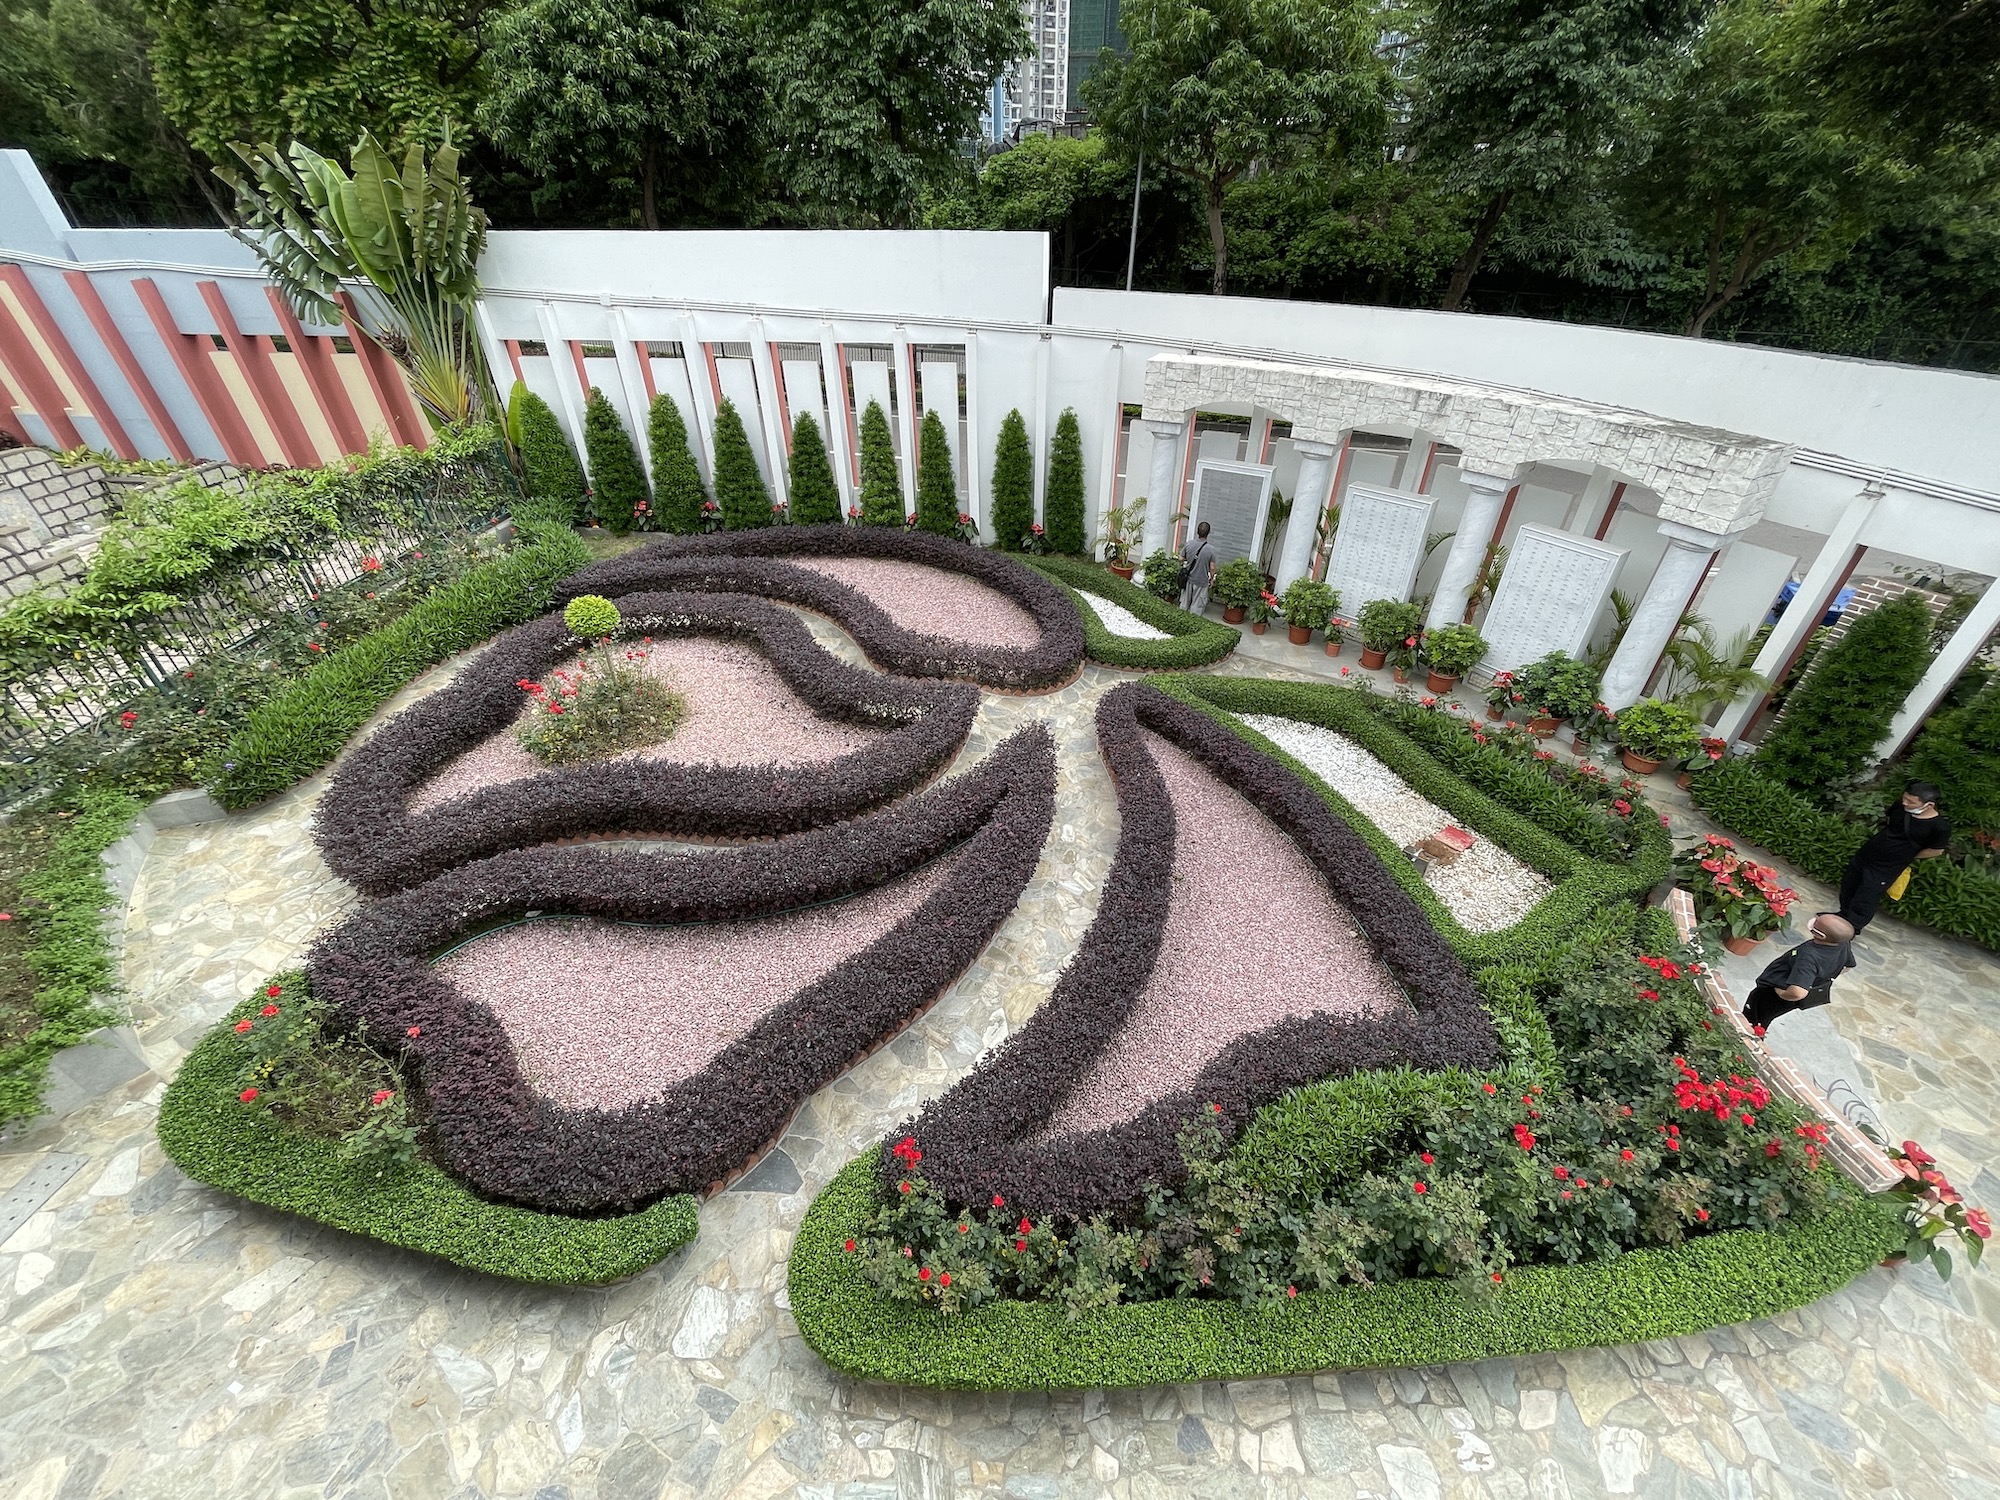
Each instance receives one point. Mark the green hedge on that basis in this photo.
(1645, 1294)
(304, 725)
(217, 1140)
(1194, 642)
(68, 952)
(1951, 898)
(1584, 887)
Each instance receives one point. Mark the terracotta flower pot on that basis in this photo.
(1333, 648)
(1232, 614)
(1124, 570)
(1637, 764)
(1300, 634)
(1371, 658)
(1400, 674)
(1258, 627)
(1541, 726)
(1439, 682)
(1495, 713)
(1684, 780)
(1740, 946)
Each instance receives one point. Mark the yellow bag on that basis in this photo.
(1899, 885)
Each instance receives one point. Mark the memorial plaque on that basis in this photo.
(1549, 597)
(1234, 499)
(1379, 546)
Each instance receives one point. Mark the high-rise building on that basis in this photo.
(1093, 28)
(1036, 91)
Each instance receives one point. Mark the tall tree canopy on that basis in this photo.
(653, 92)
(1926, 73)
(1212, 87)
(1512, 99)
(869, 102)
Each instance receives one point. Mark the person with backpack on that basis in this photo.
(1197, 569)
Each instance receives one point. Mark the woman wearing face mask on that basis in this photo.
(1913, 829)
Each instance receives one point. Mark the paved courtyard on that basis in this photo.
(160, 1339)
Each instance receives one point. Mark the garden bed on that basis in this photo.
(1185, 640)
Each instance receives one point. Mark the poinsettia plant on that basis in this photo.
(1933, 1207)
(1704, 755)
(1731, 894)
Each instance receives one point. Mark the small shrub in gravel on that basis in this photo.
(605, 704)
(591, 617)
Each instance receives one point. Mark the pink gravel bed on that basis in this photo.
(1253, 936)
(603, 1015)
(931, 601)
(740, 712)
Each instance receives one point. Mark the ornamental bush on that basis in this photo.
(1453, 650)
(739, 485)
(1658, 731)
(605, 704)
(678, 492)
(1062, 500)
(881, 486)
(1013, 485)
(937, 487)
(1556, 686)
(1310, 603)
(1387, 623)
(1960, 752)
(1161, 575)
(548, 463)
(1237, 584)
(1834, 719)
(815, 496)
(618, 495)
(591, 617)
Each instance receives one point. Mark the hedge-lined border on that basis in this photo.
(1583, 885)
(369, 836)
(1192, 641)
(751, 562)
(1947, 897)
(974, 1136)
(303, 726)
(217, 1140)
(494, 1131)
(1013, 1346)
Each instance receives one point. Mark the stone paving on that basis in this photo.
(160, 1339)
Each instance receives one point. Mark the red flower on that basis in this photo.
(1566, 1195)
(382, 1097)
(1772, 1148)
(269, 1010)
(904, 1185)
(1020, 1245)
(1977, 1221)
(944, 1277)
(1291, 1291)
(1489, 1088)
(247, 1096)
(245, 1024)
(924, 1274)
(998, 1201)
(1524, 1138)
(1025, 1227)
(1426, 1158)
(127, 719)
(1918, 1155)
(371, 565)
(1496, 1276)
(965, 1229)
(1418, 1187)
(850, 1247)
(1701, 1214)
(312, 646)
(1626, 1154)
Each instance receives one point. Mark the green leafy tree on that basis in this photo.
(1213, 87)
(1328, 229)
(548, 463)
(1514, 100)
(1924, 74)
(869, 102)
(1744, 167)
(1013, 483)
(881, 488)
(1960, 752)
(937, 486)
(739, 484)
(655, 92)
(677, 487)
(317, 70)
(1834, 719)
(617, 483)
(815, 496)
(1062, 498)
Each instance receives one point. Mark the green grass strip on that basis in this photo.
(71, 956)
(215, 1139)
(1015, 1346)
(1192, 641)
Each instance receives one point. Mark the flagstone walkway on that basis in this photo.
(160, 1339)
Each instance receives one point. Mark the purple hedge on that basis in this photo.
(751, 562)
(974, 1136)
(494, 1131)
(371, 838)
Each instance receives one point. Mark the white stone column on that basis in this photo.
(1309, 499)
(1164, 487)
(1658, 612)
(1485, 489)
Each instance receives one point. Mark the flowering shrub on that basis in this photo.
(1453, 650)
(1933, 1208)
(1266, 607)
(1656, 730)
(1387, 623)
(607, 702)
(1310, 603)
(1556, 686)
(330, 1086)
(1733, 896)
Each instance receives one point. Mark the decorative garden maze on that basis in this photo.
(1439, 1101)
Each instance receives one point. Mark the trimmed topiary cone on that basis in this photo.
(739, 487)
(815, 497)
(618, 485)
(1013, 484)
(1830, 727)
(937, 486)
(548, 463)
(1062, 502)
(881, 488)
(678, 492)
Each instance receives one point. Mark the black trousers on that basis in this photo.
(1861, 890)
(1765, 1004)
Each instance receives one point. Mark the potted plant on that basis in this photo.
(1123, 527)
(1336, 635)
(1385, 624)
(1651, 732)
(1450, 652)
(1265, 608)
(1163, 575)
(1501, 695)
(1741, 901)
(1308, 605)
(1554, 688)
(1237, 585)
(1704, 755)
(1934, 1212)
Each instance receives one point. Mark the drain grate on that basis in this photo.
(27, 1196)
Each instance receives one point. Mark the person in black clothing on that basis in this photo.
(1803, 978)
(1913, 829)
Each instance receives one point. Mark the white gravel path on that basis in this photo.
(1121, 621)
(1486, 888)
